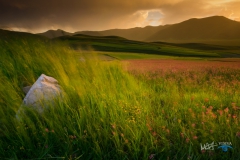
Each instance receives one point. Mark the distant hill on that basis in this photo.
(6, 34)
(139, 34)
(212, 30)
(122, 45)
(205, 29)
(89, 33)
(55, 33)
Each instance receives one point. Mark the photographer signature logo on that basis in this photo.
(220, 145)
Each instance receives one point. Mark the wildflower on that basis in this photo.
(179, 120)
(226, 110)
(211, 153)
(192, 98)
(195, 137)
(72, 137)
(203, 151)
(151, 156)
(220, 112)
(122, 135)
(46, 129)
(154, 133)
(149, 128)
(233, 104)
(53, 131)
(182, 135)
(234, 116)
(214, 115)
(193, 125)
(238, 134)
(235, 107)
(126, 141)
(187, 140)
(206, 100)
(168, 131)
(114, 126)
(190, 109)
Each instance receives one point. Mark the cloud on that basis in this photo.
(75, 15)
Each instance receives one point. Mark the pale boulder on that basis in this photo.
(43, 93)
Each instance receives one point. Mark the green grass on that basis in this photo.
(121, 45)
(125, 56)
(108, 113)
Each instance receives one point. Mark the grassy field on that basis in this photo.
(112, 112)
(121, 45)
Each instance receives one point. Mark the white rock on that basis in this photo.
(42, 94)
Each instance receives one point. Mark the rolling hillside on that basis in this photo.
(55, 33)
(122, 45)
(205, 29)
(211, 30)
(138, 34)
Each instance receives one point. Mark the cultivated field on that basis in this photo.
(174, 65)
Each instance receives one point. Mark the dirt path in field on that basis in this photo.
(179, 65)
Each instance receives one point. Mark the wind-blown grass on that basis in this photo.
(108, 113)
(102, 102)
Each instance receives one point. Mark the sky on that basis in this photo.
(79, 15)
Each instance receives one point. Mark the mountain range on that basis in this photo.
(215, 29)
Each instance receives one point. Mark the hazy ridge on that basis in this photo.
(213, 30)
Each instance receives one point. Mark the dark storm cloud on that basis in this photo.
(75, 15)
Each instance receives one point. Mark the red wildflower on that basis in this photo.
(226, 110)
(154, 133)
(206, 100)
(151, 156)
(238, 134)
(182, 135)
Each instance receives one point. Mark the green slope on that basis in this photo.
(122, 45)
